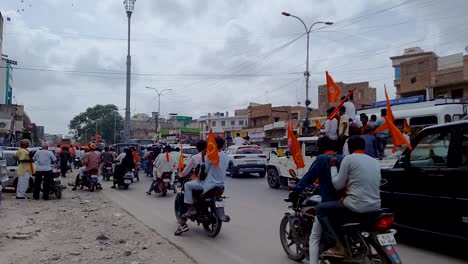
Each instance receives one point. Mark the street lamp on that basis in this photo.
(159, 105)
(307, 73)
(129, 6)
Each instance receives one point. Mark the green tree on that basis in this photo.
(105, 117)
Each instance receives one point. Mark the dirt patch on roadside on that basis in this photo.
(82, 227)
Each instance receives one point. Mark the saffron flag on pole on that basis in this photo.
(295, 148)
(318, 125)
(406, 127)
(212, 149)
(181, 158)
(337, 109)
(395, 133)
(97, 138)
(333, 90)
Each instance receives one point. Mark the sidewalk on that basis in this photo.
(82, 227)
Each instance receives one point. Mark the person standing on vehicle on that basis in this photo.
(343, 128)
(350, 108)
(382, 136)
(372, 148)
(215, 176)
(238, 140)
(25, 169)
(43, 158)
(127, 163)
(359, 176)
(320, 170)
(163, 163)
(331, 126)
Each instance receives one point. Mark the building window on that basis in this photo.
(233, 123)
(413, 80)
(241, 122)
(213, 123)
(421, 67)
(397, 73)
(223, 123)
(277, 119)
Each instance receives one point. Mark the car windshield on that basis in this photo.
(190, 151)
(249, 150)
(11, 161)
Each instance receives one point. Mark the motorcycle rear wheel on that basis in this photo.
(214, 227)
(91, 187)
(58, 193)
(177, 212)
(287, 241)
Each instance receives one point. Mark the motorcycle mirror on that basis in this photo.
(293, 174)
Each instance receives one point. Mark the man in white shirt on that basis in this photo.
(194, 160)
(331, 126)
(43, 159)
(238, 141)
(343, 129)
(165, 162)
(350, 108)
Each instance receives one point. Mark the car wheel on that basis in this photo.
(232, 171)
(273, 178)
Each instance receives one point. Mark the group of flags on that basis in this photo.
(333, 93)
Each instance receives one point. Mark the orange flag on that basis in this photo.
(333, 90)
(295, 148)
(389, 114)
(337, 109)
(318, 125)
(97, 138)
(181, 159)
(406, 127)
(212, 151)
(397, 136)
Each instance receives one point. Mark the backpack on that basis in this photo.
(200, 170)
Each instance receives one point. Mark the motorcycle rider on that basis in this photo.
(214, 178)
(106, 157)
(164, 163)
(127, 163)
(90, 161)
(65, 158)
(320, 171)
(359, 176)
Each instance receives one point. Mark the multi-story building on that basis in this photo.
(363, 96)
(6, 82)
(418, 72)
(264, 114)
(223, 125)
(1, 33)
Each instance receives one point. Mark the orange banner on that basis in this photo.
(212, 151)
(295, 148)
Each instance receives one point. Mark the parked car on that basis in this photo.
(3, 171)
(427, 187)
(246, 159)
(12, 168)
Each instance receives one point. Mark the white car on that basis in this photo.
(246, 159)
(279, 165)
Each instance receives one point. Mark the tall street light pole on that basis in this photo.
(158, 129)
(129, 6)
(307, 73)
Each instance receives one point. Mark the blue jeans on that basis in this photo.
(382, 144)
(191, 186)
(330, 211)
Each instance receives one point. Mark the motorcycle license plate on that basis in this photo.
(57, 179)
(386, 239)
(109, 168)
(128, 181)
(166, 180)
(94, 176)
(219, 204)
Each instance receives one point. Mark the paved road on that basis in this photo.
(250, 237)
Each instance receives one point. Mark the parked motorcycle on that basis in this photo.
(107, 171)
(209, 205)
(56, 185)
(364, 238)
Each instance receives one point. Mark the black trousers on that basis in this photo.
(45, 177)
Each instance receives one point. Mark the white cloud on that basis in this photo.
(175, 41)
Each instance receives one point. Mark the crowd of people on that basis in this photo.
(347, 124)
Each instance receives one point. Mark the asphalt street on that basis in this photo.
(250, 237)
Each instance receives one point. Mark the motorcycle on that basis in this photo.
(90, 180)
(77, 163)
(364, 238)
(56, 186)
(136, 171)
(209, 205)
(164, 184)
(126, 181)
(107, 171)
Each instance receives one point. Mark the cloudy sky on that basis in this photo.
(216, 55)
